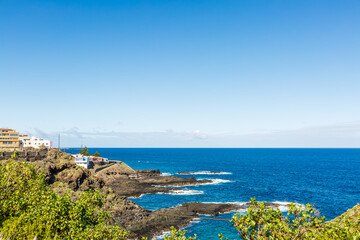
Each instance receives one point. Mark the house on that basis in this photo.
(34, 142)
(99, 160)
(23, 139)
(9, 138)
(82, 161)
(89, 161)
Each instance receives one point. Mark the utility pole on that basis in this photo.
(59, 142)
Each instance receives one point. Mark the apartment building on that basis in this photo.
(34, 142)
(9, 138)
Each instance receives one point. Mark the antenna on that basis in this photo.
(59, 142)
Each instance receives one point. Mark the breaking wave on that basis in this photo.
(283, 206)
(184, 192)
(166, 174)
(206, 173)
(213, 182)
(174, 192)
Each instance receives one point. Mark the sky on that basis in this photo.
(182, 73)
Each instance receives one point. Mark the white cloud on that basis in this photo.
(337, 135)
(199, 135)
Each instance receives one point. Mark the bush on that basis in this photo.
(301, 223)
(29, 209)
(178, 235)
(14, 155)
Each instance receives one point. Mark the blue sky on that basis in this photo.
(182, 73)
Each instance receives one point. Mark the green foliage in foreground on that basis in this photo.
(178, 235)
(301, 223)
(29, 209)
(15, 155)
(261, 223)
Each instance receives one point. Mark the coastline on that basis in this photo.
(119, 182)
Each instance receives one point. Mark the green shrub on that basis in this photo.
(29, 209)
(262, 223)
(15, 155)
(178, 235)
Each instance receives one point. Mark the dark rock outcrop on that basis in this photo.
(117, 182)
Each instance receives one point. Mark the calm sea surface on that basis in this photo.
(327, 178)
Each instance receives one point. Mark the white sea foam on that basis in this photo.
(284, 206)
(162, 235)
(281, 203)
(219, 181)
(137, 197)
(184, 192)
(167, 233)
(206, 173)
(235, 203)
(192, 222)
(166, 174)
(174, 192)
(213, 182)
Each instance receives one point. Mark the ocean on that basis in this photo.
(327, 178)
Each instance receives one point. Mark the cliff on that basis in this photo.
(118, 181)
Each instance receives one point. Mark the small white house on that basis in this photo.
(34, 142)
(82, 161)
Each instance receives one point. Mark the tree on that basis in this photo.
(97, 154)
(84, 151)
(30, 209)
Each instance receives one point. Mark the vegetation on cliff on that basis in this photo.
(29, 208)
(56, 199)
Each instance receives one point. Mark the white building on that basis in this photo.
(34, 142)
(82, 161)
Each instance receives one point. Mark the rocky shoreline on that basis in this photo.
(137, 183)
(117, 182)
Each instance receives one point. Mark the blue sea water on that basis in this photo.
(327, 178)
